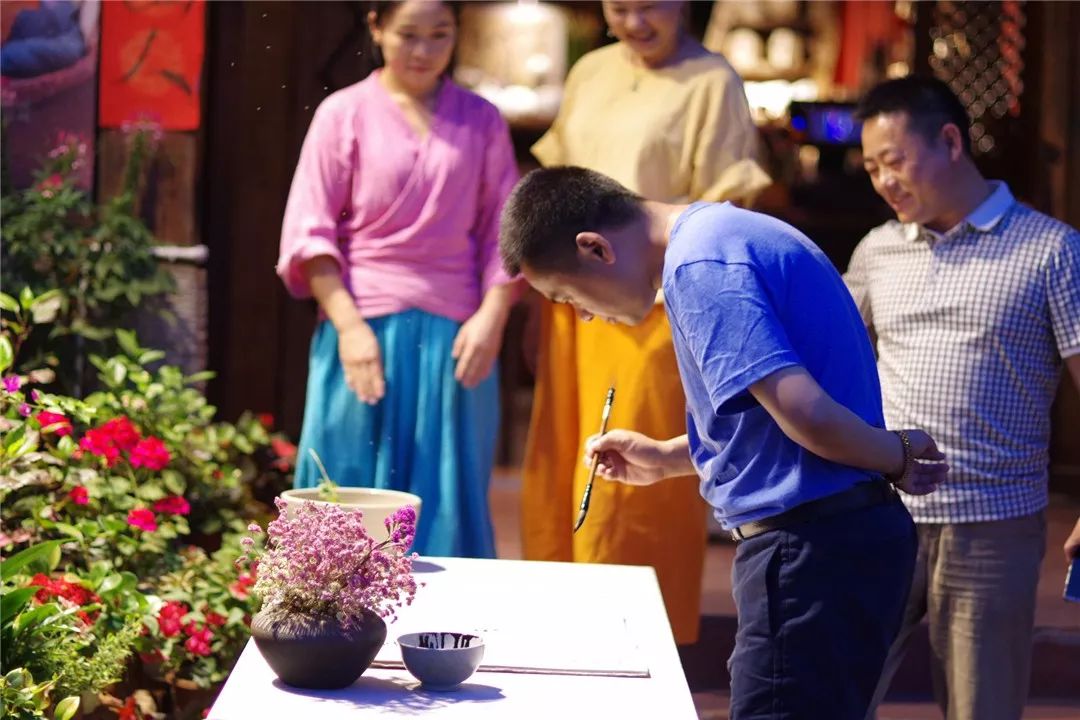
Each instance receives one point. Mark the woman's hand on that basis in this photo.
(361, 361)
(477, 345)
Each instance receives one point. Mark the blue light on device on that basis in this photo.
(1072, 581)
(826, 124)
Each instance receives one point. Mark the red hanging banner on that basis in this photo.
(151, 62)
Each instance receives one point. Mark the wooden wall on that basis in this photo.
(1056, 188)
(269, 66)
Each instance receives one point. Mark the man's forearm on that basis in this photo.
(843, 437)
(811, 418)
(677, 460)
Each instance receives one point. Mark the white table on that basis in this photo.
(461, 593)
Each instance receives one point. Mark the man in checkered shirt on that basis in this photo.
(974, 302)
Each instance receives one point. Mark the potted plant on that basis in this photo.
(377, 504)
(326, 586)
(90, 264)
(104, 598)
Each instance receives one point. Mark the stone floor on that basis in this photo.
(1058, 622)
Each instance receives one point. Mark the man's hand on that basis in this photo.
(1072, 544)
(635, 459)
(928, 469)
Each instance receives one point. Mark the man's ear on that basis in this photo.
(594, 247)
(954, 140)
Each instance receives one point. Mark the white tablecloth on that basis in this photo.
(560, 601)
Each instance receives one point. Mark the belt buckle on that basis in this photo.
(736, 534)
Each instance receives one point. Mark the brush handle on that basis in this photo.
(605, 415)
(584, 509)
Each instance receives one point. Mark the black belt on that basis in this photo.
(860, 496)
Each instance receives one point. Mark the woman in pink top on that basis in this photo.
(392, 226)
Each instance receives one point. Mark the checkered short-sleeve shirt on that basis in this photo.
(971, 329)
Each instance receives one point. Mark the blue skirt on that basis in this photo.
(429, 435)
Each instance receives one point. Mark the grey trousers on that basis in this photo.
(975, 583)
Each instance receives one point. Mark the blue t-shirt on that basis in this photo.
(748, 295)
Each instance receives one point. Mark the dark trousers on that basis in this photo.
(819, 605)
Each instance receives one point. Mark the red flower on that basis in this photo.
(172, 505)
(173, 608)
(241, 588)
(154, 657)
(266, 420)
(55, 423)
(130, 711)
(79, 495)
(42, 581)
(74, 593)
(213, 619)
(143, 519)
(283, 448)
(122, 432)
(150, 453)
(98, 442)
(49, 184)
(198, 642)
(286, 454)
(169, 627)
(171, 617)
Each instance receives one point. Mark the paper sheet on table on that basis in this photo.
(551, 645)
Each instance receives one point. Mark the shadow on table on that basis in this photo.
(426, 566)
(403, 696)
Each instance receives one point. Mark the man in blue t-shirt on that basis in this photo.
(784, 422)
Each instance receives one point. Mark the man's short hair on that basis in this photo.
(927, 101)
(550, 207)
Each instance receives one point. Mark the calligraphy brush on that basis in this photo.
(584, 509)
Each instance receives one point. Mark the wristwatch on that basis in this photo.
(909, 456)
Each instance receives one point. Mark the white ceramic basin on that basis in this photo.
(376, 504)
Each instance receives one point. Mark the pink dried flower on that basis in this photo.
(319, 560)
